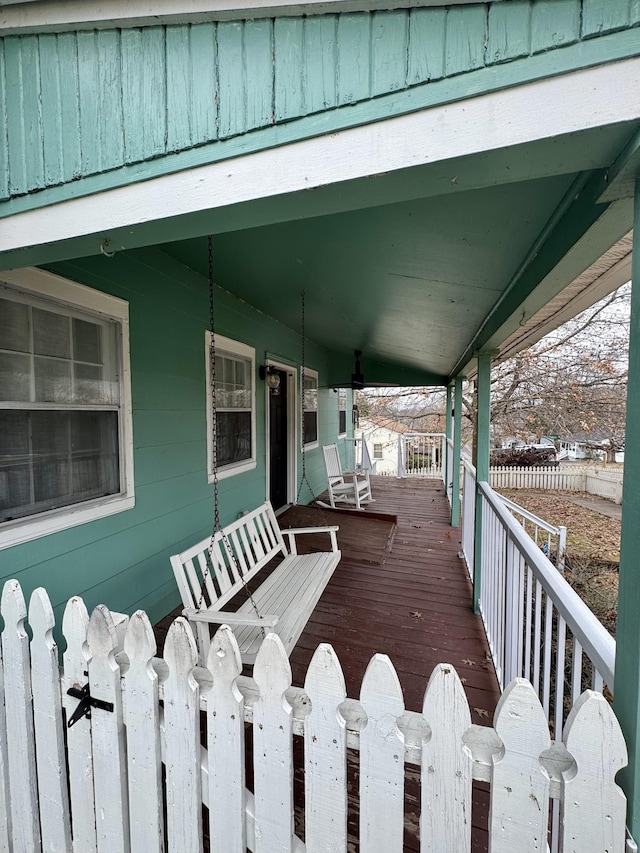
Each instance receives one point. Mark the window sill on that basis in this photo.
(342, 435)
(34, 527)
(232, 470)
(313, 445)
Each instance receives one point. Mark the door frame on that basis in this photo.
(292, 428)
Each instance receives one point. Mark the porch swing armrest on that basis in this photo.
(229, 617)
(292, 532)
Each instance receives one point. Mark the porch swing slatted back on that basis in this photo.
(253, 540)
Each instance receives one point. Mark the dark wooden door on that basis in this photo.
(278, 444)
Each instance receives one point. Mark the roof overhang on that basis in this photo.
(425, 238)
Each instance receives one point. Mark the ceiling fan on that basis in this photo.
(358, 382)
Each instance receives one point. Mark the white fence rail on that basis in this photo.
(604, 482)
(194, 722)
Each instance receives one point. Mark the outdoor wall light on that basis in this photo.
(271, 375)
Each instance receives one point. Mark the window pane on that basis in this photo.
(342, 421)
(14, 434)
(89, 386)
(15, 489)
(310, 427)
(54, 459)
(15, 377)
(49, 433)
(53, 380)
(233, 383)
(234, 437)
(14, 326)
(51, 334)
(51, 481)
(87, 341)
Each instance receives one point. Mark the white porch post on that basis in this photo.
(482, 465)
(457, 450)
(448, 433)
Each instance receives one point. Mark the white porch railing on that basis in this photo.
(550, 539)
(447, 473)
(103, 788)
(536, 625)
(421, 454)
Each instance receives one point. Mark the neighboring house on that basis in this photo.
(584, 446)
(381, 435)
(446, 182)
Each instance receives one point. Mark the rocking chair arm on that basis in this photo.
(227, 617)
(292, 532)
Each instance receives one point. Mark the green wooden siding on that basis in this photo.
(124, 559)
(78, 104)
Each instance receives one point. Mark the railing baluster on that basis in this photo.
(537, 638)
(548, 640)
(576, 671)
(560, 658)
(528, 624)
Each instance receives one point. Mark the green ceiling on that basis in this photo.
(409, 282)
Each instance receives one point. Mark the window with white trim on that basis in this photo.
(235, 407)
(342, 411)
(377, 451)
(65, 420)
(310, 407)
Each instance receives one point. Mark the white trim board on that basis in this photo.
(544, 109)
(45, 16)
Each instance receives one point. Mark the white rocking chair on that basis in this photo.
(345, 487)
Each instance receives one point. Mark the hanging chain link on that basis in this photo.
(217, 527)
(304, 478)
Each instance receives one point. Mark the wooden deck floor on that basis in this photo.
(414, 606)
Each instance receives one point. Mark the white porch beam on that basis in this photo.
(42, 16)
(586, 99)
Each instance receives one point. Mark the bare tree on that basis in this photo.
(572, 383)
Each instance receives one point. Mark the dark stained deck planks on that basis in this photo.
(414, 605)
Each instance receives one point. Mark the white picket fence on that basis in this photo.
(604, 482)
(104, 790)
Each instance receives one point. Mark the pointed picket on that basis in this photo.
(225, 745)
(594, 807)
(108, 736)
(49, 729)
(381, 760)
(273, 750)
(182, 741)
(519, 786)
(445, 822)
(142, 718)
(5, 810)
(75, 624)
(325, 754)
(21, 754)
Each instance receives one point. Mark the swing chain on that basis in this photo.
(217, 527)
(304, 478)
